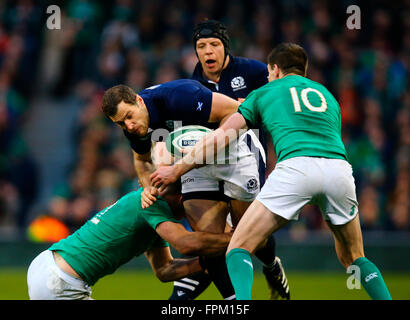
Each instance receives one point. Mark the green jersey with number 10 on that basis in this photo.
(301, 115)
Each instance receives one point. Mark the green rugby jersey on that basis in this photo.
(301, 115)
(114, 236)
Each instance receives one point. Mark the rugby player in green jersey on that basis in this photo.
(114, 236)
(304, 121)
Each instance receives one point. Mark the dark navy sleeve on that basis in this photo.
(190, 102)
(140, 145)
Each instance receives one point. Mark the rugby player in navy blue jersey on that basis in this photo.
(235, 77)
(150, 115)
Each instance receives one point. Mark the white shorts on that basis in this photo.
(46, 281)
(298, 181)
(238, 180)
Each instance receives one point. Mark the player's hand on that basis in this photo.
(148, 196)
(163, 176)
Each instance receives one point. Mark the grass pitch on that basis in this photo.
(127, 284)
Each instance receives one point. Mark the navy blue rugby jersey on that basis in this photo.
(180, 102)
(238, 79)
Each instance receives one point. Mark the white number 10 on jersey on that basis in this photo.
(303, 95)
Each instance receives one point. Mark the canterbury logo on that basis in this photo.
(199, 108)
(370, 277)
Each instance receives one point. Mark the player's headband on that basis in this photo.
(212, 29)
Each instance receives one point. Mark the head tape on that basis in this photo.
(212, 29)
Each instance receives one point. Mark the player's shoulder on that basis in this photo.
(249, 65)
(132, 202)
(248, 62)
(132, 199)
(290, 81)
(171, 85)
(181, 82)
(184, 88)
(309, 83)
(297, 80)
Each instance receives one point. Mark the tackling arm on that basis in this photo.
(144, 166)
(193, 243)
(166, 268)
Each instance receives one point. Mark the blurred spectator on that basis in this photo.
(51, 225)
(147, 42)
(47, 229)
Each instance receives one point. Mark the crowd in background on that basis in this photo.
(147, 42)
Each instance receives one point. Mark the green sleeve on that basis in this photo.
(157, 213)
(154, 215)
(249, 109)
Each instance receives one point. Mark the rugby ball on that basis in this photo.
(184, 138)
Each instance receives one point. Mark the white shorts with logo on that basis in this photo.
(238, 180)
(46, 281)
(298, 181)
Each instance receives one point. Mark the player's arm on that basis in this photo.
(204, 149)
(193, 243)
(222, 107)
(166, 268)
(212, 143)
(144, 166)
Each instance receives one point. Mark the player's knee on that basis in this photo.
(347, 259)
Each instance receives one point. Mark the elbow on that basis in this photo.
(162, 278)
(161, 275)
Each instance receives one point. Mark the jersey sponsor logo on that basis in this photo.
(188, 142)
(200, 104)
(252, 185)
(238, 83)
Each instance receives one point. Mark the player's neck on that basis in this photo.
(216, 76)
(281, 75)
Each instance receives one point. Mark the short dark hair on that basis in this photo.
(290, 58)
(113, 96)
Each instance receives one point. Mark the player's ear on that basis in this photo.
(276, 70)
(140, 101)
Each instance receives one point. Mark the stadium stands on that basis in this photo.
(146, 42)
